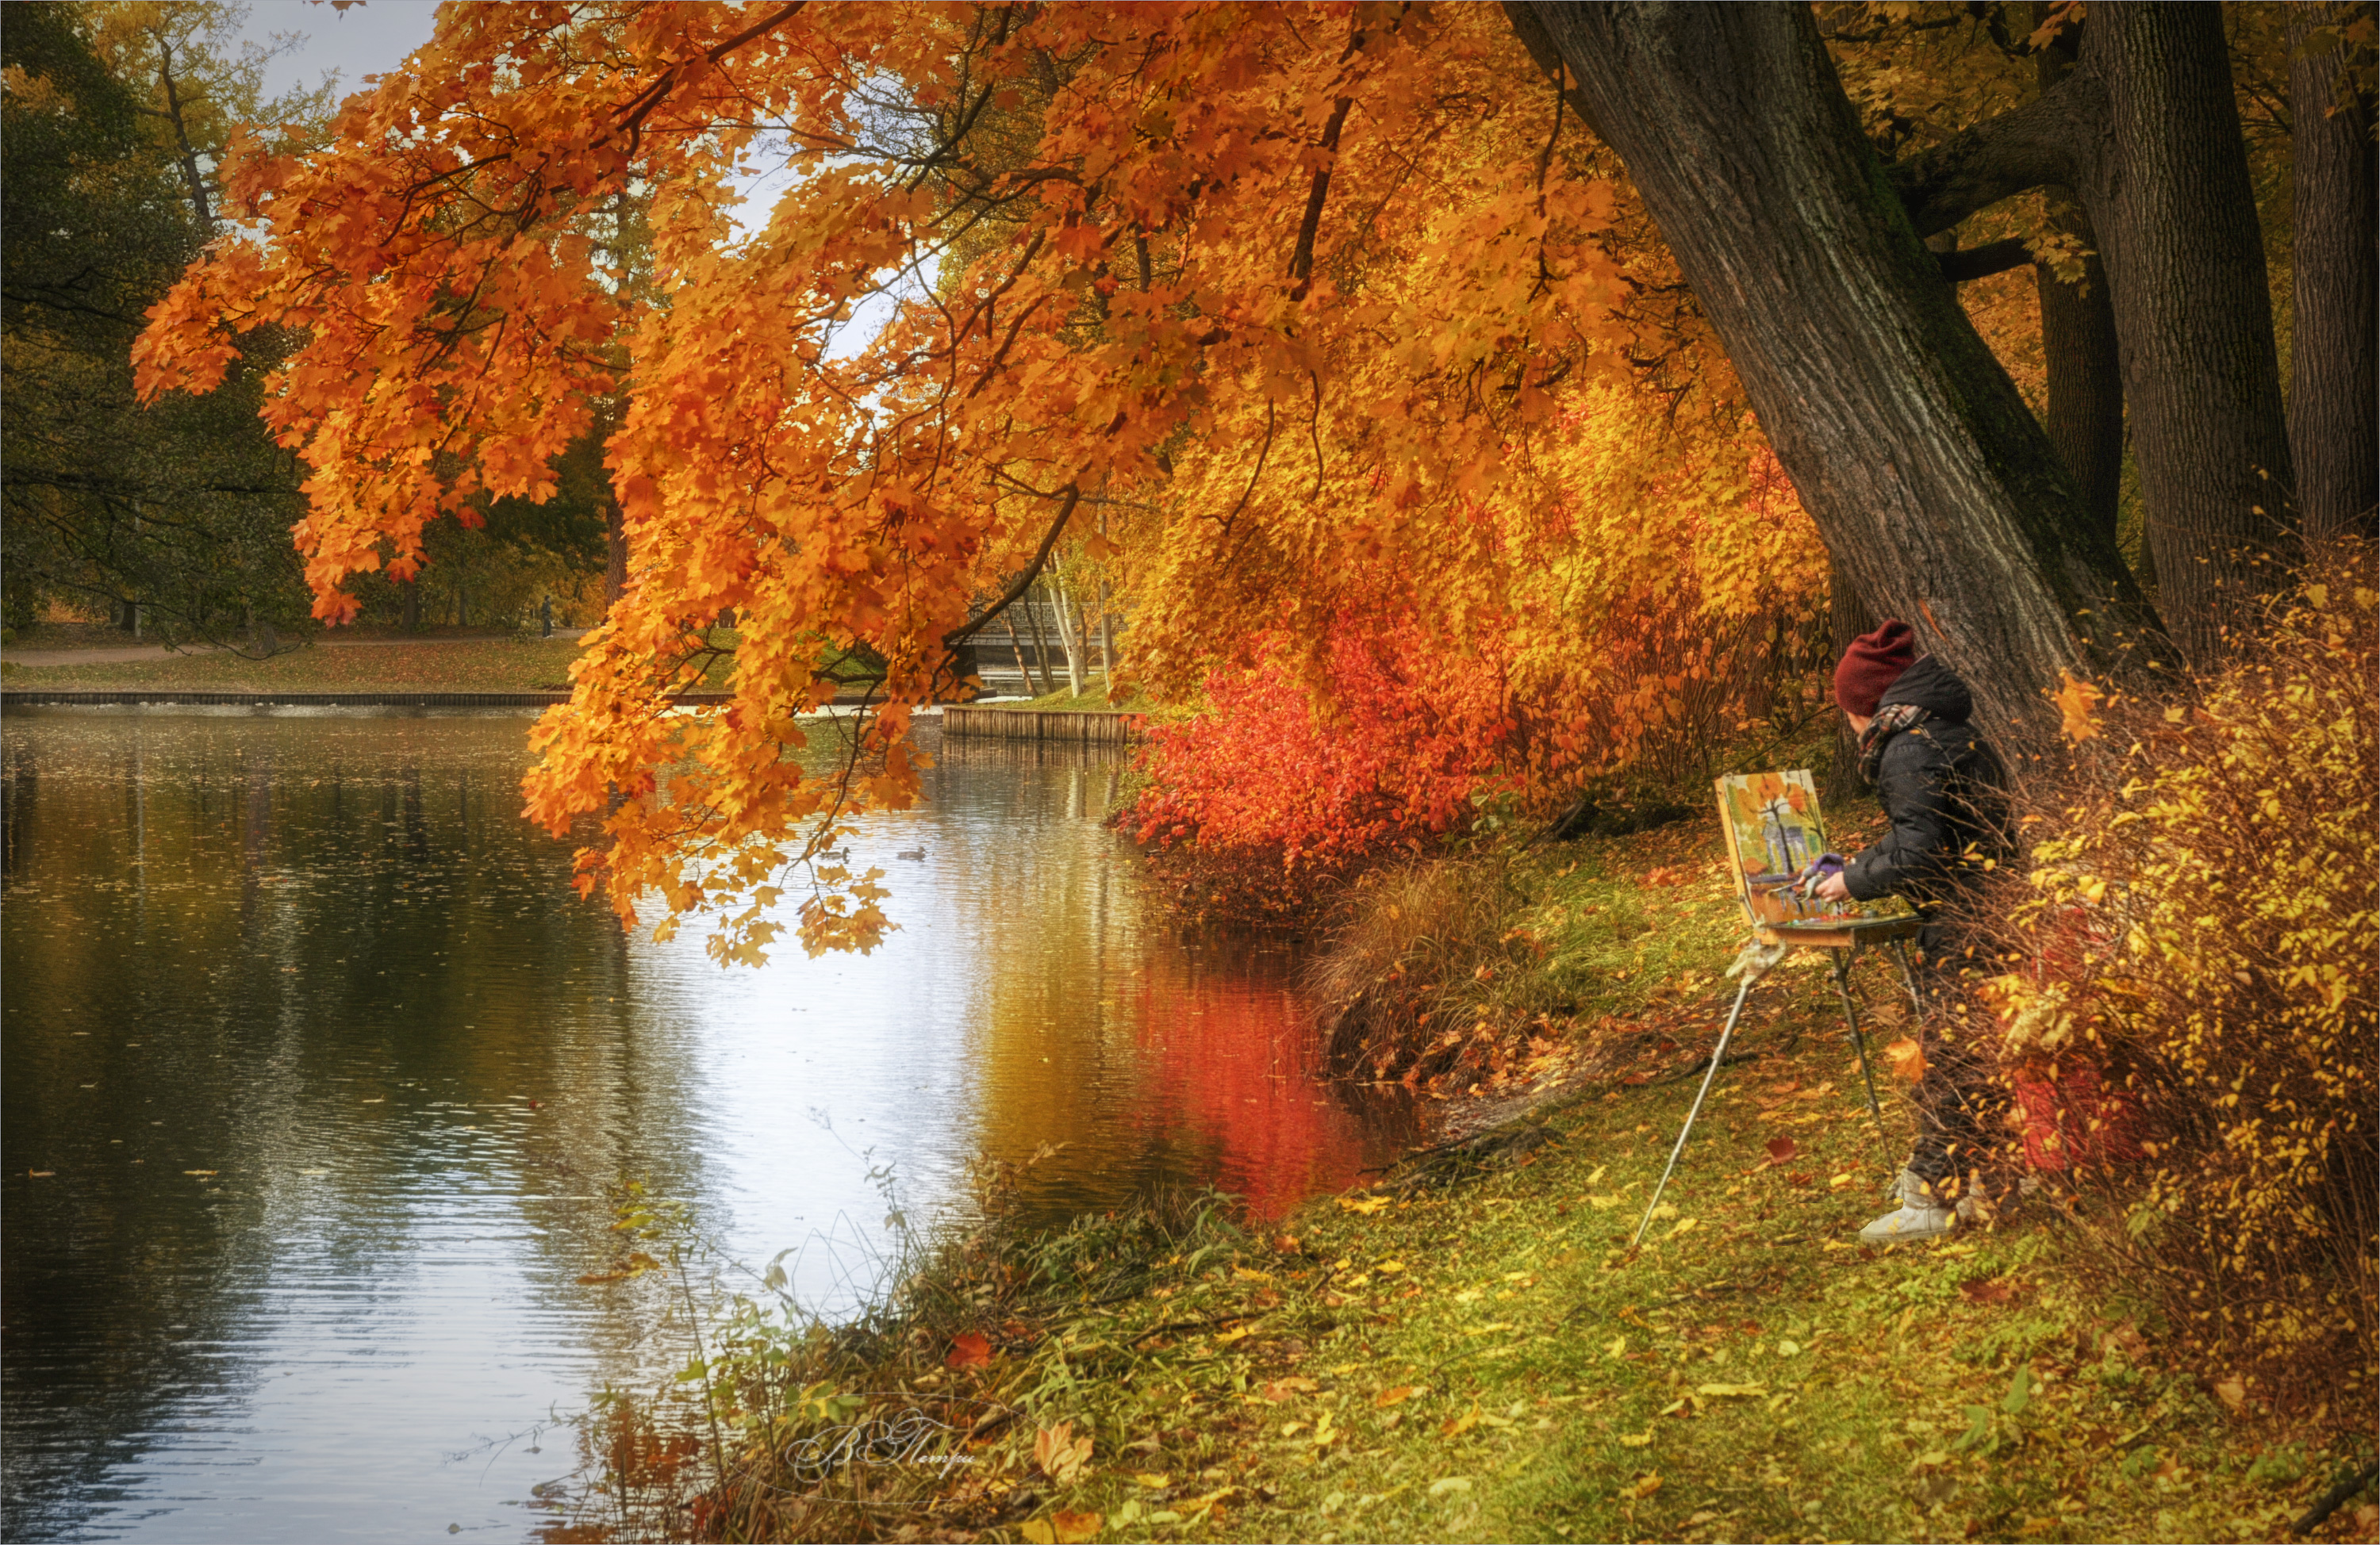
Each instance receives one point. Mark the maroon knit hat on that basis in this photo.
(1874, 663)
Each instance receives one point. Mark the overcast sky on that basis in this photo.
(375, 37)
(361, 40)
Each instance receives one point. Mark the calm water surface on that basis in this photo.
(315, 1073)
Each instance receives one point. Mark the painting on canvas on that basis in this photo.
(1774, 829)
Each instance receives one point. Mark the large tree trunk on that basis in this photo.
(2176, 214)
(2085, 372)
(1847, 618)
(1935, 488)
(2078, 338)
(2333, 410)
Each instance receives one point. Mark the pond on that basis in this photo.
(317, 1076)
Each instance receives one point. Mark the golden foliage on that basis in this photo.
(2201, 927)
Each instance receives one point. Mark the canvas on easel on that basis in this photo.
(1774, 831)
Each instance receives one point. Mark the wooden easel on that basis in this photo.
(1779, 919)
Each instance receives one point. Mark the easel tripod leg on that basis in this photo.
(1851, 1013)
(1718, 1055)
(1909, 977)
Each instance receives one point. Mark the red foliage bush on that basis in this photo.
(1260, 805)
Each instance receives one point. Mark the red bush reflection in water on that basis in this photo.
(1242, 1072)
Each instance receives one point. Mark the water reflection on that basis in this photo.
(314, 1071)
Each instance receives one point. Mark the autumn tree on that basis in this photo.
(175, 516)
(1307, 306)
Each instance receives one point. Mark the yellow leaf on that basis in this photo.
(1615, 1347)
(1444, 1484)
(1388, 1397)
(1073, 1528)
(1637, 1491)
(1637, 1440)
(1366, 1205)
(1732, 1392)
(2075, 702)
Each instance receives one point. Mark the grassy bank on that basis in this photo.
(388, 663)
(457, 665)
(1472, 1350)
(1092, 699)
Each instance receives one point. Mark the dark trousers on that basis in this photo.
(1962, 1104)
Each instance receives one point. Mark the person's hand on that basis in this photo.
(1832, 888)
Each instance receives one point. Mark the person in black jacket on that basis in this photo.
(1944, 791)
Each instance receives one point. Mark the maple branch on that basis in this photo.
(644, 104)
(1262, 452)
(1001, 354)
(1546, 156)
(1982, 262)
(1301, 261)
(1015, 592)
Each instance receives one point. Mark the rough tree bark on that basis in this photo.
(2078, 337)
(1935, 488)
(1847, 618)
(2333, 410)
(2145, 132)
(2170, 198)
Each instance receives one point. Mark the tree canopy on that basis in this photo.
(1469, 316)
(113, 118)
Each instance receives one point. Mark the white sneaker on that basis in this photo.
(1918, 1219)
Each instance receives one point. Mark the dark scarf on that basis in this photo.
(1889, 722)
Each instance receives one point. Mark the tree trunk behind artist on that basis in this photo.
(2171, 199)
(2333, 410)
(1847, 618)
(1935, 488)
(2078, 337)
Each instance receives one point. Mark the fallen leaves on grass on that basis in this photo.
(1063, 1528)
(1061, 1454)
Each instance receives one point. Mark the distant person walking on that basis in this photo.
(1944, 791)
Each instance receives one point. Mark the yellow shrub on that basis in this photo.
(2202, 933)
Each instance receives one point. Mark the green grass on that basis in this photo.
(461, 665)
(1490, 1362)
(433, 665)
(1094, 699)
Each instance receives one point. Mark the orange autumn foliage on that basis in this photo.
(1248, 304)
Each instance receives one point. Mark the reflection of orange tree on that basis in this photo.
(1232, 1057)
